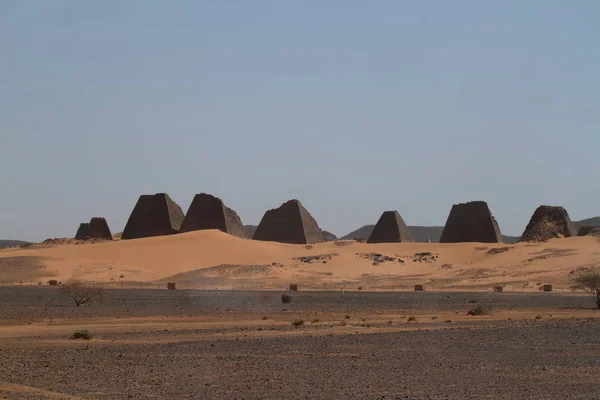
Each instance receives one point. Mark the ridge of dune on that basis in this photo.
(186, 255)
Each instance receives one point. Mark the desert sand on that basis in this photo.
(221, 260)
(373, 340)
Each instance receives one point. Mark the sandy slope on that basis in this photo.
(151, 259)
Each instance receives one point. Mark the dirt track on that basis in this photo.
(167, 345)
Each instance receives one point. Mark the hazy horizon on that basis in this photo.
(352, 108)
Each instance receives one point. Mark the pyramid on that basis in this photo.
(290, 223)
(390, 229)
(82, 232)
(97, 228)
(209, 212)
(153, 215)
(471, 222)
(548, 222)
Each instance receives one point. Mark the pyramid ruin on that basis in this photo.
(97, 228)
(471, 222)
(153, 215)
(390, 229)
(209, 212)
(588, 231)
(548, 222)
(290, 223)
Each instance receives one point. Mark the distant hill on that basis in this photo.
(11, 243)
(420, 234)
(250, 229)
(593, 222)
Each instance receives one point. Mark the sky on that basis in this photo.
(352, 107)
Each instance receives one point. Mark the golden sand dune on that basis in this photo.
(184, 257)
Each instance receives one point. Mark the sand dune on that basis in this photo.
(184, 256)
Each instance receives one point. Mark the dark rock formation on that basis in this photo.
(290, 223)
(548, 222)
(471, 222)
(97, 228)
(153, 215)
(390, 229)
(588, 231)
(209, 212)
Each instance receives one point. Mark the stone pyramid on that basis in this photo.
(471, 222)
(209, 212)
(290, 223)
(548, 222)
(97, 228)
(390, 229)
(153, 215)
(82, 231)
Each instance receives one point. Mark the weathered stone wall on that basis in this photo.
(548, 222)
(290, 223)
(209, 212)
(471, 222)
(390, 229)
(153, 215)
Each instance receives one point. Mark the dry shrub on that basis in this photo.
(286, 298)
(498, 288)
(480, 310)
(82, 334)
(297, 323)
(81, 293)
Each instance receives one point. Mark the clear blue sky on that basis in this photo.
(353, 107)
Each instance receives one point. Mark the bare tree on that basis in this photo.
(80, 293)
(589, 281)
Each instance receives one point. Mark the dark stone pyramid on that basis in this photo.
(209, 212)
(82, 232)
(153, 215)
(390, 229)
(290, 223)
(97, 228)
(548, 222)
(471, 222)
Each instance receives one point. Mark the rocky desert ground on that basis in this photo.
(382, 342)
(243, 345)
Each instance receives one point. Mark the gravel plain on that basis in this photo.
(228, 351)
